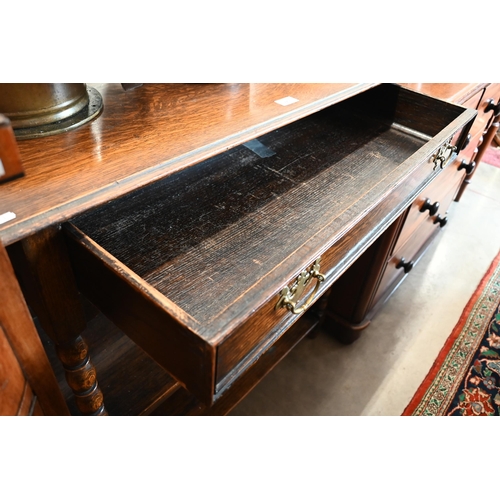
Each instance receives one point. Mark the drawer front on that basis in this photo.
(406, 255)
(265, 326)
(256, 335)
(436, 192)
(492, 92)
(421, 234)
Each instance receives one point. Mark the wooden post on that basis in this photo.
(45, 270)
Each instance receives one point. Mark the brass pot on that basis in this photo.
(41, 109)
(34, 104)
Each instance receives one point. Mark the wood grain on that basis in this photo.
(484, 129)
(359, 293)
(184, 403)
(475, 96)
(144, 135)
(204, 238)
(448, 180)
(12, 381)
(78, 171)
(209, 238)
(17, 325)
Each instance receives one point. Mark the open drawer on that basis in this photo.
(194, 267)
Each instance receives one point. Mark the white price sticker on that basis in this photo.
(286, 101)
(6, 217)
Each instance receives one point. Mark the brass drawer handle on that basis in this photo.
(289, 297)
(443, 155)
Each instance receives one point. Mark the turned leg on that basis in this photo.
(81, 376)
(43, 266)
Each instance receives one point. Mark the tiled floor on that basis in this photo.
(379, 373)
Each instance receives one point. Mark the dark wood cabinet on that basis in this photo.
(216, 228)
(197, 268)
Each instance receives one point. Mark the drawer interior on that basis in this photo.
(206, 235)
(191, 266)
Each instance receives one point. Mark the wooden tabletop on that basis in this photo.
(143, 135)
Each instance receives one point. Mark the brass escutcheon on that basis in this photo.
(289, 297)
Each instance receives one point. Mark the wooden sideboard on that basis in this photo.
(193, 209)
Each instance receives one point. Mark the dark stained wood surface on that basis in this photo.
(360, 292)
(77, 188)
(142, 135)
(45, 274)
(141, 312)
(210, 236)
(485, 128)
(204, 238)
(435, 193)
(133, 384)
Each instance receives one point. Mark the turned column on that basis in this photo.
(43, 266)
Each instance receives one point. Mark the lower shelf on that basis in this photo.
(133, 384)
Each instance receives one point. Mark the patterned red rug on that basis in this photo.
(465, 378)
(492, 156)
